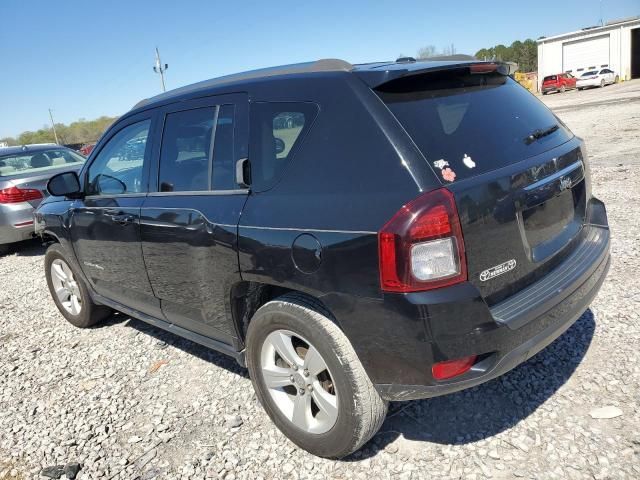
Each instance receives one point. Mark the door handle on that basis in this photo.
(124, 219)
(119, 217)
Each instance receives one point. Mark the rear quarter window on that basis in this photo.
(467, 124)
(276, 132)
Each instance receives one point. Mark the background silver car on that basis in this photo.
(24, 172)
(596, 78)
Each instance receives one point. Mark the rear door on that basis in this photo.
(189, 221)
(518, 174)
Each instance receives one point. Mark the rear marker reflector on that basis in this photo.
(452, 368)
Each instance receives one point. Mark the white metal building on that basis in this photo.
(616, 46)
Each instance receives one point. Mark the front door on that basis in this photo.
(189, 224)
(106, 222)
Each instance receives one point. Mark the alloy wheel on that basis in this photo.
(299, 381)
(66, 287)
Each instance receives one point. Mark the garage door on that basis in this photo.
(584, 54)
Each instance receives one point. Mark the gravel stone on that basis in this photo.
(606, 412)
(126, 400)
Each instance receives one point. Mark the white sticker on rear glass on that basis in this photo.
(441, 163)
(469, 163)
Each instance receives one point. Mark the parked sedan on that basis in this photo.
(596, 78)
(24, 172)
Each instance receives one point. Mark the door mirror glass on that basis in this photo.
(65, 184)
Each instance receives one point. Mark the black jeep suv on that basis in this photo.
(354, 234)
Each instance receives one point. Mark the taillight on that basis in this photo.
(421, 247)
(17, 195)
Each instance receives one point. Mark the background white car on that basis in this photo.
(596, 78)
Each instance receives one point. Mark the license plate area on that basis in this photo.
(547, 227)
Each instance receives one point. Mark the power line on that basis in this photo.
(160, 68)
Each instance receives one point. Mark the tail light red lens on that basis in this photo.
(17, 195)
(421, 247)
(452, 368)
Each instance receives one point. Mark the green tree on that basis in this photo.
(81, 131)
(427, 52)
(525, 54)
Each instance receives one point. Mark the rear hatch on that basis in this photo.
(550, 81)
(518, 174)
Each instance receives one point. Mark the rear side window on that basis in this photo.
(276, 131)
(467, 124)
(186, 146)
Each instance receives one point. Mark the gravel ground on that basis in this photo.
(125, 400)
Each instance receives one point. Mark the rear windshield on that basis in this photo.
(550, 78)
(466, 124)
(38, 162)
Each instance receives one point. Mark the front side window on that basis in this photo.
(117, 169)
(276, 131)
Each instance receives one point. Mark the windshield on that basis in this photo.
(38, 162)
(467, 124)
(588, 74)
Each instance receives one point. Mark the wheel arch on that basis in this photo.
(246, 297)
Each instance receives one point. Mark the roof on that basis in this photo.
(373, 73)
(38, 147)
(589, 30)
(324, 65)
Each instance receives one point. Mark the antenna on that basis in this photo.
(160, 68)
(601, 19)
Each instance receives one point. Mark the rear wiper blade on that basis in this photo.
(542, 132)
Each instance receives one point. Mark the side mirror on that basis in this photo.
(280, 146)
(243, 173)
(65, 184)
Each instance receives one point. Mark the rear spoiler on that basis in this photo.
(375, 77)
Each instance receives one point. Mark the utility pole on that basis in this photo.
(53, 125)
(160, 68)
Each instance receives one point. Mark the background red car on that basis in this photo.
(558, 83)
(86, 149)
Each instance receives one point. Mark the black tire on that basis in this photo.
(544, 93)
(5, 248)
(361, 410)
(90, 312)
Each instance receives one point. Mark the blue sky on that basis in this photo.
(85, 58)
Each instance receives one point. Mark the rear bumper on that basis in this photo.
(399, 338)
(16, 222)
(557, 320)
